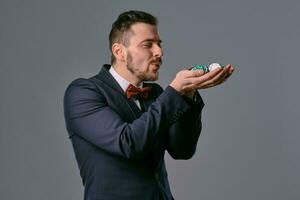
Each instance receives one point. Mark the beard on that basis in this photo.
(143, 76)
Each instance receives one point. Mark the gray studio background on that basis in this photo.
(249, 147)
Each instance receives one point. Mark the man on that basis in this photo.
(120, 132)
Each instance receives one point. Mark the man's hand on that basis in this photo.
(187, 82)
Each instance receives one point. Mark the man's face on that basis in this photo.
(144, 52)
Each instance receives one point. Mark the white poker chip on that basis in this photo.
(214, 66)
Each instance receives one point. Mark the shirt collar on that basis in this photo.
(122, 81)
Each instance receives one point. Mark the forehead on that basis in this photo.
(143, 31)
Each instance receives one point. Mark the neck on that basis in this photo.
(122, 70)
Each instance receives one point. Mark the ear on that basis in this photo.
(119, 51)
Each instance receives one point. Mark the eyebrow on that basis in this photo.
(152, 40)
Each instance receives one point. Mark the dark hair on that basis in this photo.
(123, 23)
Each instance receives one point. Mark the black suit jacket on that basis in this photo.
(119, 149)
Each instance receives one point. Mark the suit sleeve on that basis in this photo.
(88, 116)
(184, 134)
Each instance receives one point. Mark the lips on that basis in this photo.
(157, 62)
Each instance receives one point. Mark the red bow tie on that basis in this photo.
(133, 92)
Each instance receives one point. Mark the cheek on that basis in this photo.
(143, 58)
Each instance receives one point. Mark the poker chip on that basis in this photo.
(214, 66)
(200, 67)
(206, 69)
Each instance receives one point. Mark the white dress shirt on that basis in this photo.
(123, 83)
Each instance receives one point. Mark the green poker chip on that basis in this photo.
(200, 67)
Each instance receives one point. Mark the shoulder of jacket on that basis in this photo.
(155, 86)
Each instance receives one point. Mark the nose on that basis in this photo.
(158, 52)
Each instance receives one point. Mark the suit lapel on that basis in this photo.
(150, 100)
(108, 79)
(121, 100)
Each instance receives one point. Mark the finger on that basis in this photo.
(194, 73)
(205, 77)
(221, 79)
(215, 79)
(212, 78)
(192, 77)
(231, 68)
(229, 71)
(228, 66)
(228, 74)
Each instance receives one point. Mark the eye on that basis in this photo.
(147, 44)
